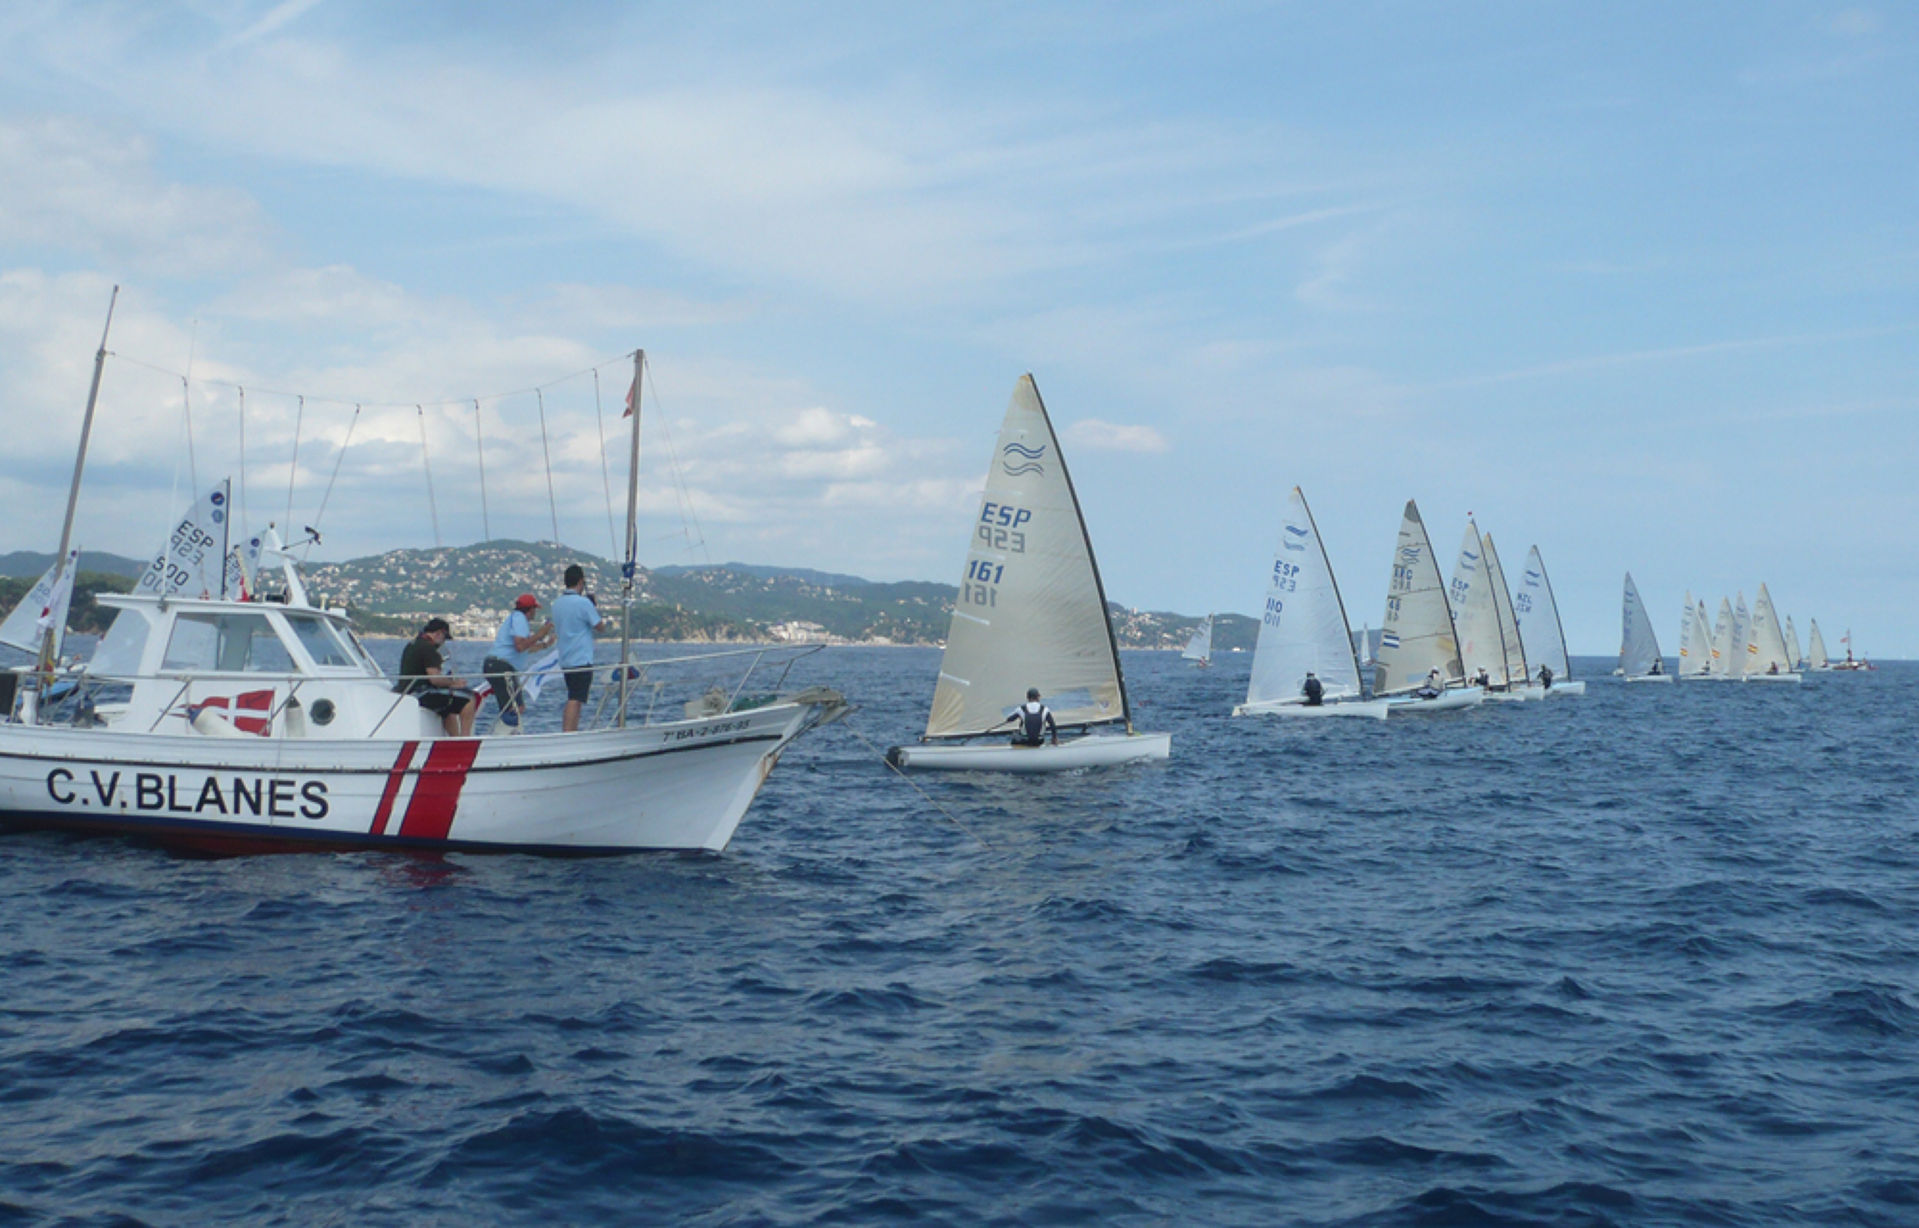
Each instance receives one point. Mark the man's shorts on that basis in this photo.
(442, 702)
(578, 683)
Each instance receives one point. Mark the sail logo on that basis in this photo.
(1294, 531)
(1017, 459)
(1389, 639)
(1409, 555)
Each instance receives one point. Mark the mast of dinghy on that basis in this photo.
(79, 467)
(629, 567)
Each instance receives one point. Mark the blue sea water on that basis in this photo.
(1647, 956)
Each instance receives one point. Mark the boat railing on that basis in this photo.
(688, 680)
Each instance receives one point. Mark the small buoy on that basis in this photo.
(295, 725)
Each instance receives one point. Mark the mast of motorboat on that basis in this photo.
(45, 668)
(629, 569)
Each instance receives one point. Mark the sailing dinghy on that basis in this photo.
(1512, 647)
(1792, 644)
(1536, 612)
(1720, 667)
(1199, 649)
(1816, 659)
(1416, 637)
(1766, 656)
(1303, 630)
(1639, 658)
(1695, 641)
(1031, 612)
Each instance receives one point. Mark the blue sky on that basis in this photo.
(1638, 283)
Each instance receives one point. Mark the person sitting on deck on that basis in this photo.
(1482, 678)
(1314, 691)
(1546, 676)
(1035, 721)
(1433, 685)
(422, 677)
(1658, 666)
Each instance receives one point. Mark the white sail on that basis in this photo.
(1303, 628)
(1510, 643)
(1695, 642)
(1792, 643)
(1537, 614)
(195, 560)
(1031, 611)
(1416, 636)
(1722, 641)
(1638, 646)
(1200, 647)
(1816, 649)
(1736, 637)
(43, 608)
(1766, 642)
(1475, 617)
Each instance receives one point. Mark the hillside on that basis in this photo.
(473, 587)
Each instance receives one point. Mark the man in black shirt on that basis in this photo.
(422, 677)
(1035, 721)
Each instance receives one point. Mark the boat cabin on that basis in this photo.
(172, 665)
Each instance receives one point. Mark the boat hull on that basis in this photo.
(1094, 750)
(1650, 678)
(1445, 701)
(682, 785)
(1769, 677)
(1576, 686)
(1375, 708)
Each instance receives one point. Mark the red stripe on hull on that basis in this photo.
(429, 814)
(392, 790)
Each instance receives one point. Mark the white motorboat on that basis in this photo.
(1031, 614)
(231, 723)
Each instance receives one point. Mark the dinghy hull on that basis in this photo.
(1446, 701)
(1650, 678)
(1094, 750)
(1375, 708)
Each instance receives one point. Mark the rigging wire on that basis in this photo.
(479, 448)
(545, 452)
(186, 405)
(847, 725)
(426, 463)
(243, 461)
(680, 488)
(606, 481)
(299, 420)
(344, 445)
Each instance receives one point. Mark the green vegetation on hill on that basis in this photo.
(392, 593)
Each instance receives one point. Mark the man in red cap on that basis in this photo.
(516, 641)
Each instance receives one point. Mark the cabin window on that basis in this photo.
(226, 643)
(321, 641)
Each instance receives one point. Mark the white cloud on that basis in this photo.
(1114, 437)
(71, 185)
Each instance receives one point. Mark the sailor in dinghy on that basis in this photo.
(1030, 612)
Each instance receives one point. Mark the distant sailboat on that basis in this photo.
(1639, 658)
(1303, 632)
(1792, 644)
(1537, 613)
(1518, 676)
(1816, 658)
(1766, 657)
(1199, 649)
(1695, 641)
(43, 610)
(1416, 637)
(1722, 656)
(1031, 612)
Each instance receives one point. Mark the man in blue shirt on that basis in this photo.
(575, 618)
(515, 643)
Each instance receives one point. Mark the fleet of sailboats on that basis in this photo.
(1031, 619)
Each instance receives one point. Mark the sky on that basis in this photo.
(1636, 283)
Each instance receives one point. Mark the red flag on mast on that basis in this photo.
(632, 395)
